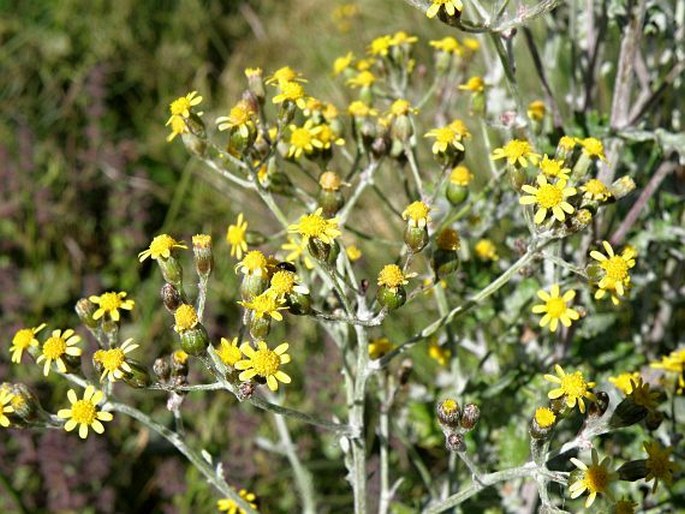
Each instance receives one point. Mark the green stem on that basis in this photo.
(13, 493)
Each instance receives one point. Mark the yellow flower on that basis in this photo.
(265, 363)
(536, 110)
(475, 84)
(549, 198)
(615, 270)
(554, 168)
(470, 46)
(402, 107)
(518, 152)
(353, 253)
(284, 75)
(642, 396)
(324, 137)
(296, 250)
(231, 507)
(161, 246)
(254, 263)
(572, 387)
(416, 214)
(362, 79)
(486, 250)
(624, 381)
(556, 308)
(594, 189)
(56, 347)
(659, 465)
(400, 38)
(113, 361)
(440, 354)
(178, 127)
(461, 176)
(445, 137)
(566, 143)
(265, 304)
(290, 92)
(110, 303)
(674, 363)
(451, 7)
(545, 417)
(301, 140)
(624, 506)
(185, 318)
(342, 63)
(380, 46)
(359, 109)
(392, 277)
(84, 412)
(181, 106)
(5, 398)
(228, 352)
(595, 479)
(447, 44)
(316, 226)
(592, 147)
(240, 117)
(379, 347)
(24, 339)
(235, 235)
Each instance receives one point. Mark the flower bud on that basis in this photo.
(449, 413)
(27, 408)
(172, 271)
(162, 369)
(331, 202)
(622, 187)
(318, 249)
(456, 194)
(391, 298)
(401, 128)
(255, 83)
(179, 364)
(627, 413)
(470, 416)
(598, 408)
(195, 341)
(633, 470)
(138, 377)
(85, 310)
(543, 423)
(202, 253)
(299, 304)
(653, 419)
(416, 238)
(445, 257)
(259, 327)
(195, 138)
(580, 220)
(517, 177)
(454, 442)
(171, 298)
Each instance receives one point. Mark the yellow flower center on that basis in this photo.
(551, 167)
(254, 260)
(228, 353)
(567, 143)
(449, 406)
(391, 276)
(444, 135)
(556, 307)
(301, 138)
(83, 411)
(359, 108)
(54, 347)
(112, 359)
(330, 181)
(545, 417)
(417, 211)
(616, 268)
(595, 187)
(180, 356)
(266, 362)
(312, 225)
(596, 479)
(179, 106)
(110, 301)
(23, 338)
(202, 240)
(400, 107)
(593, 146)
(185, 317)
(240, 114)
(517, 148)
(549, 196)
(461, 176)
(161, 244)
(365, 78)
(282, 282)
(574, 385)
(292, 91)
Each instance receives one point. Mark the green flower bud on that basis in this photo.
(138, 377)
(401, 129)
(416, 238)
(260, 327)
(633, 470)
(85, 310)
(318, 249)
(195, 340)
(391, 298)
(456, 194)
(299, 304)
(196, 139)
(172, 271)
(627, 413)
(253, 285)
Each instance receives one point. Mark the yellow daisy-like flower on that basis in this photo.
(401, 107)
(231, 507)
(264, 363)
(545, 417)
(615, 269)
(342, 63)
(353, 253)
(673, 363)
(284, 282)
(235, 236)
(161, 247)
(556, 308)
(439, 353)
(551, 198)
(536, 110)
(24, 339)
(592, 147)
(362, 79)
(290, 92)
(315, 225)
(254, 263)
(229, 352)
(178, 127)
(110, 303)
(301, 140)
(182, 105)
(573, 387)
(416, 214)
(475, 84)
(84, 412)
(284, 75)
(659, 466)
(445, 137)
(359, 109)
(324, 137)
(554, 168)
(240, 117)
(516, 152)
(447, 44)
(451, 7)
(113, 361)
(567, 143)
(5, 407)
(594, 189)
(642, 396)
(379, 347)
(486, 250)
(392, 277)
(461, 176)
(595, 479)
(380, 46)
(185, 318)
(56, 347)
(400, 38)
(624, 381)
(265, 304)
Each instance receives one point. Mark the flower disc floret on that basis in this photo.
(392, 277)
(554, 168)
(516, 152)
(461, 176)
(161, 247)
(253, 264)
(550, 198)
(110, 303)
(573, 387)
(595, 479)
(416, 214)
(545, 417)
(84, 412)
(56, 347)
(23, 339)
(556, 308)
(113, 361)
(316, 226)
(265, 363)
(185, 318)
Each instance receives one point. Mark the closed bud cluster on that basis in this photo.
(203, 256)
(470, 416)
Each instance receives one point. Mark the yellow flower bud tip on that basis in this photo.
(202, 241)
(330, 181)
(161, 247)
(448, 240)
(253, 73)
(179, 357)
(461, 176)
(544, 417)
(185, 318)
(353, 253)
(449, 406)
(475, 84)
(417, 214)
(536, 110)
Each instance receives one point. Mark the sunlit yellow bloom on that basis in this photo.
(554, 168)
(290, 92)
(545, 417)
(447, 44)
(254, 263)
(231, 507)
(324, 137)
(624, 381)
(353, 253)
(556, 308)
(380, 46)
(595, 479)
(362, 79)
(594, 189)
(379, 347)
(486, 250)
(182, 105)
(439, 353)
(461, 176)
(392, 277)
(301, 140)
(592, 147)
(113, 361)
(536, 110)
(402, 107)
(285, 282)
(475, 84)
(616, 276)
(445, 137)
(342, 63)
(460, 128)
(284, 75)
(400, 38)
(567, 143)
(161, 246)
(265, 304)
(84, 412)
(416, 214)
(550, 198)
(110, 303)
(573, 387)
(5, 407)
(659, 464)
(315, 225)
(470, 44)
(229, 352)
(451, 7)
(178, 127)
(185, 318)
(58, 346)
(23, 339)
(360, 110)
(241, 117)
(518, 152)
(673, 363)
(235, 236)
(265, 363)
